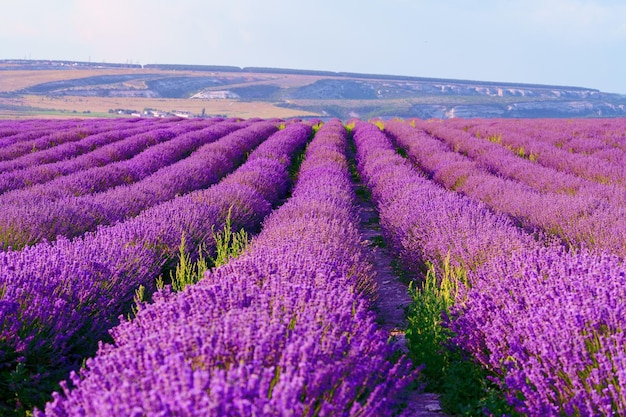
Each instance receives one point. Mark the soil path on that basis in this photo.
(393, 298)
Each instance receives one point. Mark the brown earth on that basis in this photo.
(393, 298)
(101, 105)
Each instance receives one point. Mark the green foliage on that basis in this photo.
(459, 182)
(138, 299)
(160, 282)
(425, 334)
(494, 138)
(378, 241)
(361, 191)
(296, 162)
(187, 272)
(463, 385)
(402, 152)
(467, 390)
(274, 381)
(402, 272)
(379, 123)
(27, 381)
(229, 244)
(317, 127)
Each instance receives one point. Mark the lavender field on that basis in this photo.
(122, 294)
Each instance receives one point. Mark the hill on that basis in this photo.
(63, 88)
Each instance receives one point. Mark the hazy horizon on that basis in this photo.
(555, 42)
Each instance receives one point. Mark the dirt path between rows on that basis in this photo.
(393, 298)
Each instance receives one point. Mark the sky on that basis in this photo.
(558, 42)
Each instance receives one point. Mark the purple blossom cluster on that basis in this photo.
(592, 215)
(59, 299)
(285, 329)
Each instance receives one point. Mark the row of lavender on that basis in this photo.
(603, 139)
(59, 299)
(92, 151)
(547, 322)
(74, 204)
(576, 210)
(71, 149)
(34, 127)
(555, 170)
(600, 161)
(46, 134)
(286, 329)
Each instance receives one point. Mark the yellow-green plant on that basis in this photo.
(426, 335)
(379, 123)
(187, 271)
(464, 385)
(229, 244)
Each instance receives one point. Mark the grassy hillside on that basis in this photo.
(60, 89)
